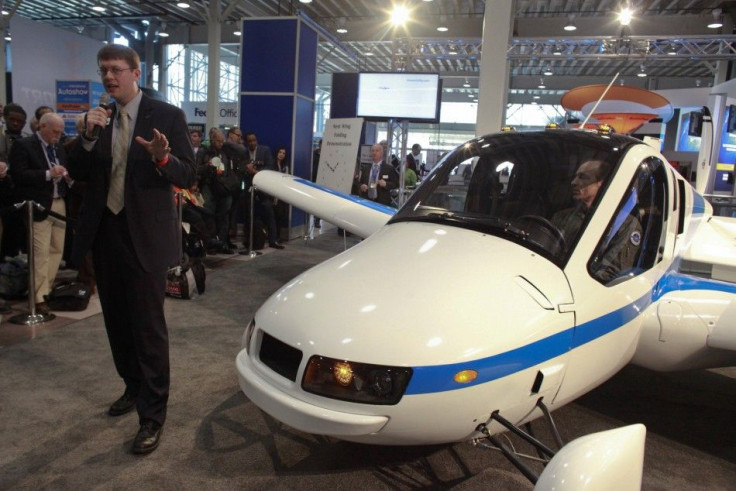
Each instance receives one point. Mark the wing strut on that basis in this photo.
(545, 453)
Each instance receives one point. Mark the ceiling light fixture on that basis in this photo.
(342, 30)
(625, 16)
(717, 21)
(672, 51)
(557, 51)
(466, 84)
(163, 34)
(98, 8)
(182, 5)
(570, 26)
(400, 15)
(642, 71)
(536, 97)
(548, 71)
(237, 33)
(442, 28)
(305, 1)
(5, 12)
(541, 84)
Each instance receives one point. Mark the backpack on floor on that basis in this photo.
(68, 295)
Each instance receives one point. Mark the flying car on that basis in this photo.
(468, 312)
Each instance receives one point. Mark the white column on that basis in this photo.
(214, 34)
(494, 68)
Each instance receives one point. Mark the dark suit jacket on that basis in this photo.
(28, 165)
(388, 174)
(149, 195)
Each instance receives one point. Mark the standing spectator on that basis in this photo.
(377, 181)
(37, 164)
(15, 232)
(316, 154)
(196, 136)
(260, 158)
(281, 208)
(219, 182)
(131, 225)
(414, 158)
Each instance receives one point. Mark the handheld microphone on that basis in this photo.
(104, 104)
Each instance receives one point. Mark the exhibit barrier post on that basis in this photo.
(32, 317)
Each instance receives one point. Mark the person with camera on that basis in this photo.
(219, 181)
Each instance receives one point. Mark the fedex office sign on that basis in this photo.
(196, 112)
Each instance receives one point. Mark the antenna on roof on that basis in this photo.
(599, 101)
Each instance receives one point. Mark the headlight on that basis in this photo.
(355, 382)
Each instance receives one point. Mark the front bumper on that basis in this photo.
(297, 413)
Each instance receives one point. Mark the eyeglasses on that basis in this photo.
(102, 71)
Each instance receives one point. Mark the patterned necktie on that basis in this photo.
(60, 184)
(116, 193)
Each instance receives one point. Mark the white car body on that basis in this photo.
(441, 296)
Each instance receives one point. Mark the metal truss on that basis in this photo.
(638, 47)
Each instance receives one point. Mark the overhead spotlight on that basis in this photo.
(541, 84)
(182, 5)
(570, 26)
(305, 1)
(625, 16)
(548, 71)
(536, 97)
(400, 15)
(442, 28)
(237, 33)
(717, 21)
(642, 71)
(341, 29)
(557, 51)
(98, 8)
(672, 51)
(466, 84)
(163, 34)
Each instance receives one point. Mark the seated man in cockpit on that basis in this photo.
(621, 246)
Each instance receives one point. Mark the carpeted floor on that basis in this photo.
(57, 381)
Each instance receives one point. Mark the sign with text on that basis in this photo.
(338, 158)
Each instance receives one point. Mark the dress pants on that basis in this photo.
(48, 248)
(132, 302)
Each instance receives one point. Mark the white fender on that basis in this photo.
(612, 459)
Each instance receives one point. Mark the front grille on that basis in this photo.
(280, 357)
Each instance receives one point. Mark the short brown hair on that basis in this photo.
(119, 52)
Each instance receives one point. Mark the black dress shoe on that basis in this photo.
(124, 405)
(147, 438)
(275, 245)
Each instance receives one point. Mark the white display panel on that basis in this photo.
(410, 96)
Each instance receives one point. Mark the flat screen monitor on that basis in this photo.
(403, 96)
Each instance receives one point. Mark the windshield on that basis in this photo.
(512, 185)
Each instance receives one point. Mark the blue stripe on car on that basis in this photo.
(431, 379)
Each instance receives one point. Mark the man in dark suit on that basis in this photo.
(260, 158)
(414, 158)
(130, 156)
(377, 181)
(37, 167)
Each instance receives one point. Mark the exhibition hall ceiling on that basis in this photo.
(667, 39)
